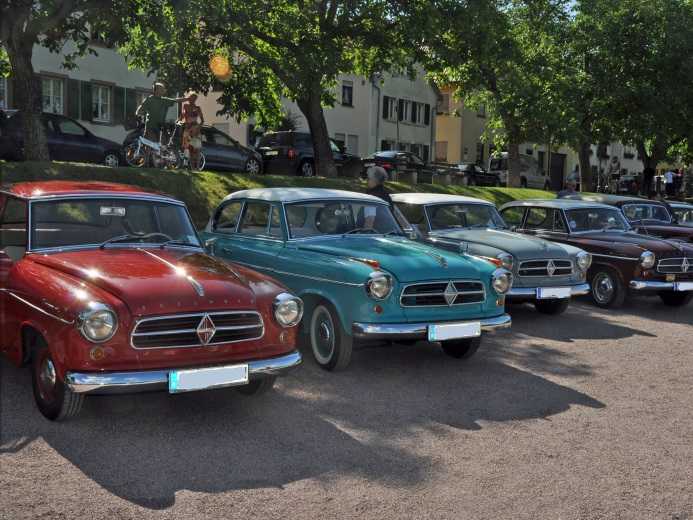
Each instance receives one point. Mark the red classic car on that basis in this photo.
(107, 288)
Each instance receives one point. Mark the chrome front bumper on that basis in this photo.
(651, 285)
(531, 292)
(152, 380)
(402, 331)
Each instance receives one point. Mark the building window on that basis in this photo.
(444, 104)
(416, 149)
(101, 103)
(53, 95)
(353, 144)
(389, 108)
(426, 153)
(480, 153)
(386, 145)
(405, 110)
(402, 147)
(340, 139)
(348, 93)
(4, 103)
(441, 151)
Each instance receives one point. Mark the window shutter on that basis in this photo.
(414, 110)
(427, 114)
(400, 110)
(73, 98)
(86, 101)
(130, 108)
(386, 106)
(118, 106)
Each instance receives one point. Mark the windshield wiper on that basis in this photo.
(177, 243)
(120, 238)
(360, 230)
(394, 232)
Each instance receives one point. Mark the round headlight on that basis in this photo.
(288, 309)
(584, 260)
(99, 323)
(379, 285)
(502, 281)
(506, 261)
(647, 260)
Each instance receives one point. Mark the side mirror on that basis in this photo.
(411, 234)
(209, 244)
(464, 247)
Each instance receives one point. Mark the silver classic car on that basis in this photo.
(545, 273)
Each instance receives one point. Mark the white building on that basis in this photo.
(102, 93)
(387, 112)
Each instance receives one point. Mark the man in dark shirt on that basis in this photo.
(376, 187)
(155, 108)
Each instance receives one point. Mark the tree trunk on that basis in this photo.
(586, 181)
(27, 95)
(514, 164)
(322, 149)
(652, 159)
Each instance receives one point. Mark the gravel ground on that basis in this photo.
(584, 416)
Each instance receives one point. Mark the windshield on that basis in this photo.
(684, 216)
(646, 212)
(455, 216)
(320, 218)
(596, 219)
(85, 222)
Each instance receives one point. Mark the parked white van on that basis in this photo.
(531, 175)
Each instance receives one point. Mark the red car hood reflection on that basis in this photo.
(154, 281)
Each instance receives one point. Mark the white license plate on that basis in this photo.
(684, 286)
(545, 293)
(271, 153)
(447, 331)
(204, 378)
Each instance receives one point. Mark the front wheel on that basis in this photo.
(253, 167)
(461, 348)
(676, 299)
(552, 307)
(607, 288)
(331, 346)
(307, 169)
(133, 157)
(112, 159)
(53, 398)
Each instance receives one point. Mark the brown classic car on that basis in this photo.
(647, 217)
(621, 259)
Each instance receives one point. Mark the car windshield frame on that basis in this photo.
(290, 236)
(626, 225)
(111, 197)
(670, 221)
(427, 208)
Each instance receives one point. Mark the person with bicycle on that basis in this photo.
(193, 119)
(154, 110)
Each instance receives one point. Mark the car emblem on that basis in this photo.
(206, 330)
(685, 265)
(450, 293)
(550, 268)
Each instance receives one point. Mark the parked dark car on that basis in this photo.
(67, 140)
(683, 213)
(397, 161)
(621, 259)
(291, 153)
(223, 152)
(646, 216)
(475, 175)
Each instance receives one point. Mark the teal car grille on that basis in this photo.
(445, 293)
(546, 268)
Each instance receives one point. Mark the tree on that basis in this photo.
(504, 54)
(50, 23)
(277, 48)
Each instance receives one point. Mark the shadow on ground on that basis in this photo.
(145, 448)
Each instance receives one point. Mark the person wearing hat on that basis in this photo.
(376, 187)
(154, 109)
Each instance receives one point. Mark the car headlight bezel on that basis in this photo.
(90, 318)
(375, 278)
(583, 260)
(507, 261)
(647, 260)
(285, 302)
(501, 281)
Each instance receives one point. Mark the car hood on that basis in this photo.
(632, 241)
(523, 247)
(407, 260)
(154, 281)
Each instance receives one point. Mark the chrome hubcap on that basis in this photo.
(323, 337)
(603, 287)
(253, 167)
(47, 379)
(307, 170)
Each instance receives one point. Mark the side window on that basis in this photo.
(539, 218)
(275, 229)
(68, 127)
(513, 216)
(13, 231)
(255, 219)
(558, 224)
(227, 218)
(414, 213)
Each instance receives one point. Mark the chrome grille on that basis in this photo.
(547, 267)
(184, 330)
(443, 294)
(675, 265)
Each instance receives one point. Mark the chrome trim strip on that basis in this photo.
(37, 308)
(531, 292)
(446, 282)
(149, 380)
(394, 331)
(316, 278)
(616, 257)
(650, 285)
(102, 195)
(195, 284)
(201, 315)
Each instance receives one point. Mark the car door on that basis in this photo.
(213, 155)
(13, 244)
(73, 142)
(228, 153)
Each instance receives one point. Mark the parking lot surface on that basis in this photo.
(584, 416)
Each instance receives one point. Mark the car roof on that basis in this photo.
(556, 204)
(616, 199)
(300, 194)
(681, 205)
(435, 198)
(47, 189)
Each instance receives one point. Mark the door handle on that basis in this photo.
(226, 250)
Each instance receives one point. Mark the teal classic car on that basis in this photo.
(546, 274)
(360, 277)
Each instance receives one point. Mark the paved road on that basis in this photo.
(586, 416)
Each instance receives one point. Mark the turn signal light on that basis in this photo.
(495, 261)
(368, 261)
(378, 309)
(291, 153)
